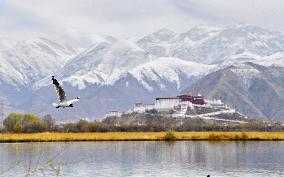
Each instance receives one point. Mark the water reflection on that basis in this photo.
(185, 158)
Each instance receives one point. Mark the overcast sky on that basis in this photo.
(131, 18)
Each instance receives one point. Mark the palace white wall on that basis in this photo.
(164, 104)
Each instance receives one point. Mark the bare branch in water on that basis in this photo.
(52, 164)
(17, 163)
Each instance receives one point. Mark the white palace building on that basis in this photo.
(168, 103)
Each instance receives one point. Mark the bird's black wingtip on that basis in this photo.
(54, 81)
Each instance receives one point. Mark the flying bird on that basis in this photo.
(63, 102)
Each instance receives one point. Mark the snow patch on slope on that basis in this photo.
(169, 69)
(247, 72)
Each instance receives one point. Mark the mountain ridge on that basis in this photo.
(160, 64)
(250, 88)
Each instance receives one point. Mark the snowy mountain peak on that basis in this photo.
(104, 63)
(164, 32)
(204, 29)
(31, 60)
(161, 35)
(124, 45)
(199, 33)
(247, 27)
(46, 45)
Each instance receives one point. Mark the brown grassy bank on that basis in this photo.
(140, 136)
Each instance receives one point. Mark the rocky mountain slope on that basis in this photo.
(252, 89)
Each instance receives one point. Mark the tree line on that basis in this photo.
(29, 123)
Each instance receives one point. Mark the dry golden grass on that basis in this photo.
(140, 136)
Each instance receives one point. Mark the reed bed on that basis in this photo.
(140, 136)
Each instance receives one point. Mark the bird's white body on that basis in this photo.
(65, 104)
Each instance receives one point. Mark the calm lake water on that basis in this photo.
(143, 158)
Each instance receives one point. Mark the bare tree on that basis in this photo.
(1, 111)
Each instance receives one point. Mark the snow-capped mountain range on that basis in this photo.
(115, 73)
(25, 62)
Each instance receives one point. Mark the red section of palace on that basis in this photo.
(194, 99)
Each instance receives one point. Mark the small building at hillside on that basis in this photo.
(113, 114)
(141, 107)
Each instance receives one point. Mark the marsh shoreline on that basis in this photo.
(142, 136)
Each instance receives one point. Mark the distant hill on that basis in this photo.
(251, 89)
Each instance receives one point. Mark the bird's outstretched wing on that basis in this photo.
(59, 90)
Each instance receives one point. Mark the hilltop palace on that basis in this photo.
(180, 104)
